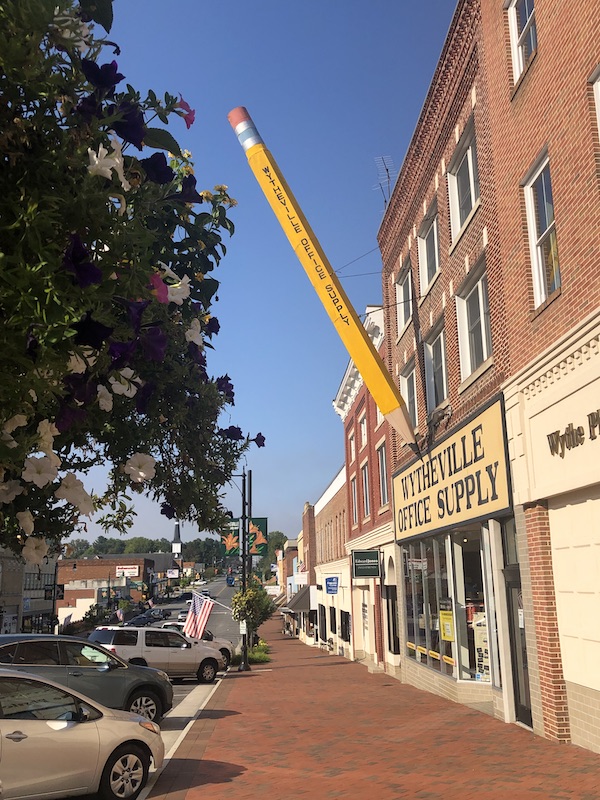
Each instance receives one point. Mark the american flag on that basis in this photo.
(198, 615)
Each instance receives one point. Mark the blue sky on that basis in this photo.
(332, 85)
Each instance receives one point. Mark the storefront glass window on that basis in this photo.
(447, 627)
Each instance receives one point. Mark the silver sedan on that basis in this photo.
(57, 743)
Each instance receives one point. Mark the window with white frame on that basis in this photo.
(364, 471)
(379, 418)
(408, 389)
(354, 498)
(463, 180)
(362, 425)
(383, 478)
(435, 370)
(542, 233)
(597, 97)
(474, 330)
(352, 447)
(429, 252)
(523, 34)
(403, 298)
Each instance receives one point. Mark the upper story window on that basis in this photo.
(463, 181)
(404, 298)
(364, 471)
(408, 390)
(429, 251)
(352, 447)
(383, 475)
(523, 34)
(435, 370)
(597, 98)
(379, 418)
(542, 233)
(362, 425)
(354, 499)
(474, 330)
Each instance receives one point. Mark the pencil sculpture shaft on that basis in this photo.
(324, 280)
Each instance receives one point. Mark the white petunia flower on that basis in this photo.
(72, 29)
(35, 550)
(46, 432)
(26, 521)
(105, 398)
(140, 467)
(7, 440)
(126, 383)
(40, 471)
(193, 333)
(117, 156)
(9, 490)
(179, 291)
(71, 489)
(14, 422)
(101, 163)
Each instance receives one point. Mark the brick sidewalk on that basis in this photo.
(313, 725)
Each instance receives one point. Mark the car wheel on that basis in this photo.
(125, 773)
(226, 657)
(207, 671)
(145, 703)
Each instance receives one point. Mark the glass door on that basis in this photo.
(518, 644)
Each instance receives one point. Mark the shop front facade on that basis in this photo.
(454, 523)
(553, 416)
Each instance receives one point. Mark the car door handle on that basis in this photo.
(17, 736)
(76, 673)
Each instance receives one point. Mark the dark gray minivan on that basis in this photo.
(91, 670)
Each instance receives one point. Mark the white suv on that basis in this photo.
(224, 646)
(163, 649)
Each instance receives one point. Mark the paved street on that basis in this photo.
(313, 725)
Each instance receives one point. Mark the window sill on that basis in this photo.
(547, 302)
(384, 508)
(404, 329)
(465, 225)
(474, 376)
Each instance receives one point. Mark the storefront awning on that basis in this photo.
(301, 600)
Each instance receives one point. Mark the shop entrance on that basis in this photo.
(518, 644)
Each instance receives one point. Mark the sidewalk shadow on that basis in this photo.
(216, 713)
(182, 774)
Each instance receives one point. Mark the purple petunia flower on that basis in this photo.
(68, 416)
(135, 310)
(168, 510)
(232, 432)
(188, 193)
(130, 126)
(80, 388)
(89, 107)
(259, 439)
(104, 78)
(225, 386)
(76, 260)
(143, 396)
(121, 353)
(212, 326)
(91, 333)
(157, 169)
(154, 343)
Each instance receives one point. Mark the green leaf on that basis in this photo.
(161, 139)
(101, 11)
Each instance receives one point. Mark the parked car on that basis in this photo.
(91, 670)
(164, 649)
(224, 646)
(182, 616)
(56, 743)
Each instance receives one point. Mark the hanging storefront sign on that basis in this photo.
(462, 479)
(128, 571)
(365, 564)
(331, 585)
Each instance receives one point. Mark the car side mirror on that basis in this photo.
(84, 714)
(185, 646)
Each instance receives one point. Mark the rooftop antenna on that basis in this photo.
(386, 173)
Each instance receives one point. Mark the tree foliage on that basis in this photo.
(254, 606)
(107, 254)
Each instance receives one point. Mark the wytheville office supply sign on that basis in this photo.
(462, 479)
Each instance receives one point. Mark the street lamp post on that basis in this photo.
(245, 519)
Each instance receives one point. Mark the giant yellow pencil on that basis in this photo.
(306, 246)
